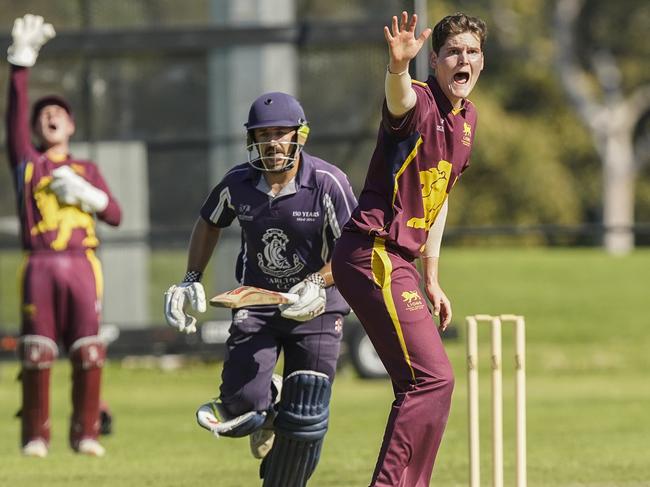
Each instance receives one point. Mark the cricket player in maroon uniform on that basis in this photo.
(58, 200)
(291, 207)
(424, 142)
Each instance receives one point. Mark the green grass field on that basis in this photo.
(588, 392)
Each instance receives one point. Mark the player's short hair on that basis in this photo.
(46, 101)
(455, 24)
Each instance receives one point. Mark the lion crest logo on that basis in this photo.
(410, 296)
(412, 300)
(434, 182)
(466, 139)
(60, 218)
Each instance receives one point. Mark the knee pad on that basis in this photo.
(88, 353)
(300, 427)
(37, 352)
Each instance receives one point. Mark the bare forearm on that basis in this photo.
(430, 269)
(434, 238)
(202, 243)
(400, 96)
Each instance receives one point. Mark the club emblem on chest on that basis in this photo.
(272, 260)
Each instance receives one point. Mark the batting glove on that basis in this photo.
(311, 301)
(29, 34)
(177, 298)
(72, 189)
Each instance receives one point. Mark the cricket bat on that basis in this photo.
(251, 296)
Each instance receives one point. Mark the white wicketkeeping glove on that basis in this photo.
(29, 34)
(176, 299)
(311, 302)
(72, 189)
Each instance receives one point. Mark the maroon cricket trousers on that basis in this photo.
(383, 289)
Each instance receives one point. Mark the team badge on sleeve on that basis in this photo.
(467, 134)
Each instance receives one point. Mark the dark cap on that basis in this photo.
(275, 110)
(46, 101)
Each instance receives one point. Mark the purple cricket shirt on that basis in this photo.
(417, 160)
(286, 237)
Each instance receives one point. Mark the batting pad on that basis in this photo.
(300, 428)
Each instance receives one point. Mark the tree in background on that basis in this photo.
(523, 104)
(611, 99)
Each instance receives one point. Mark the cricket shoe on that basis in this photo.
(105, 421)
(261, 441)
(214, 417)
(35, 448)
(211, 416)
(90, 447)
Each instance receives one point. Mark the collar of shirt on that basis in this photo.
(263, 186)
(442, 100)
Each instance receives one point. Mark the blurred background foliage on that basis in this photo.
(533, 163)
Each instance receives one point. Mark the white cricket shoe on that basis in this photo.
(35, 448)
(261, 441)
(214, 417)
(210, 417)
(90, 447)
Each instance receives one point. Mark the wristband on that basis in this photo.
(397, 74)
(193, 276)
(317, 279)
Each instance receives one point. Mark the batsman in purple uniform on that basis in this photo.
(59, 199)
(291, 207)
(424, 142)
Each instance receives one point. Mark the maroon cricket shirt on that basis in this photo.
(417, 160)
(45, 223)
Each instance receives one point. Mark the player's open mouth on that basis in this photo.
(461, 78)
(52, 126)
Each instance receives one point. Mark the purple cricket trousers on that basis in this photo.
(383, 289)
(256, 338)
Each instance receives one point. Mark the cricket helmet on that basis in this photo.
(276, 109)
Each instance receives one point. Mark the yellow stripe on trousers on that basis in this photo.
(97, 270)
(382, 268)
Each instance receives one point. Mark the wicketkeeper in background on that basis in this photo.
(58, 199)
(291, 207)
(424, 142)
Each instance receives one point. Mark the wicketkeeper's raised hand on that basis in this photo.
(180, 296)
(29, 34)
(311, 302)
